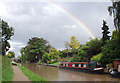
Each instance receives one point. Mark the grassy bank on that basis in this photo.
(32, 76)
(57, 63)
(7, 71)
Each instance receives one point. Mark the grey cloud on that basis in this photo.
(32, 19)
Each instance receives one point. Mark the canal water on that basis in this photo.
(56, 74)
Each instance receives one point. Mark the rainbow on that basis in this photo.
(74, 18)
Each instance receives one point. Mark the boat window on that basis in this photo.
(76, 65)
(79, 65)
(84, 65)
(66, 64)
(63, 64)
(73, 65)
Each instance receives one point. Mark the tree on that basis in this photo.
(82, 51)
(54, 54)
(45, 58)
(23, 54)
(67, 46)
(105, 32)
(11, 54)
(111, 50)
(74, 44)
(7, 32)
(76, 58)
(35, 49)
(97, 57)
(65, 53)
(94, 47)
(115, 10)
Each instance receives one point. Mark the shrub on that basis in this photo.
(97, 57)
(76, 58)
(39, 63)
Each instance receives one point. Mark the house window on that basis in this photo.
(63, 64)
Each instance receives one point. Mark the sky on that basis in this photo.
(43, 19)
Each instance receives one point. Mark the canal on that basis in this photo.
(56, 74)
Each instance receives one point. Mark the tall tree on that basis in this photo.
(74, 44)
(115, 10)
(35, 49)
(23, 57)
(45, 58)
(93, 47)
(67, 46)
(54, 54)
(105, 32)
(7, 32)
(111, 50)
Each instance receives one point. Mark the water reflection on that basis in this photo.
(56, 74)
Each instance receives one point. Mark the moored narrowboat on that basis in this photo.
(115, 71)
(92, 66)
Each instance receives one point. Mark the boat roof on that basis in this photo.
(73, 62)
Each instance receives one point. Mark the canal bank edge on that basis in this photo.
(32, 76)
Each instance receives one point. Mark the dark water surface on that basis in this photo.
(56, 74)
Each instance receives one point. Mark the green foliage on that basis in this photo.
(35, 49)
(53, 61)
(23, 55)
(45, 58)
(54, 54)
(111, 50)
(7, 32)
(115, 34)
(83, 51)
(76, 58)
(105, 32)
(94, 47)
(7, 71)
(115, 10)
(11, 54)
(57, 63)
(32, 76)
(65, 53)
(39, 63)
(74, 44)
(97, 57)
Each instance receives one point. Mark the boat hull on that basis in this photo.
(85, 70)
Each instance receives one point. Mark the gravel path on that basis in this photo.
(18, 74)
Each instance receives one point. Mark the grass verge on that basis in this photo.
(32, 76)
(7, 71)
(57, 63)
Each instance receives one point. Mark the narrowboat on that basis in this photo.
(92, 66)
(115, 71)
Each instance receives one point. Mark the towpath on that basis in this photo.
(18, 75)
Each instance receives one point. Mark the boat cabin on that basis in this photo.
(74, 64)
(93, 65)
